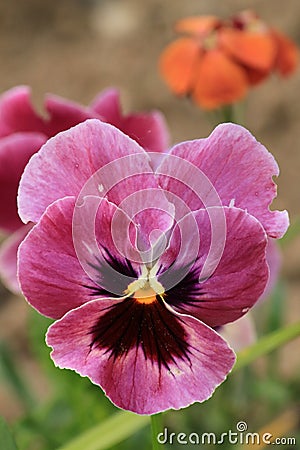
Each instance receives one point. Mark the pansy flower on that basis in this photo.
(139, 266)
(217, 61)
(23, 131)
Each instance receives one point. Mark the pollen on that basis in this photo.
(146, 296)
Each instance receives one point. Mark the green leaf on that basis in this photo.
(6, 440)
(275, 308)
(9, 372)
(266, 344)
(110, 432)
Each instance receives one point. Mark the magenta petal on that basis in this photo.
(137, 380)
(15, 151)
(137, 230)
(79, 155)
(73, 255)
(50, 275)
(8, 258)
(153, 216)
(17, 113)
(101, 234)
(228, 289)
(107, 105)
(148, 129)
(64, 114)
(239, 168)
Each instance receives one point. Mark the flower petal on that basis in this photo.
(15, 151)
(83, 155)
(17, 113)
(148, 129)
(218, 81)
(239, 168)
(79, 250)
(255, 76)
(64, 114)
(8, 258)
(177, 64)
(146, 358)
(107, 105)
(221, 287)
(254, 49)
(51, 276)
(197, 26)
(287, 56)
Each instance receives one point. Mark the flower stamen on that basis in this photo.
(146, 288)
(145, 295)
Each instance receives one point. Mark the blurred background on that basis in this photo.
(76, 48)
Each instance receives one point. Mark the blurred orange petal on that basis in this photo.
(287, 54)
(219, 81)
(256, 76)
(198, 26)
(253, 49)
(177, 64)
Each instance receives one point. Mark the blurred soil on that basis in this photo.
(77, 48)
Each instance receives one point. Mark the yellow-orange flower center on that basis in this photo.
(145, 295)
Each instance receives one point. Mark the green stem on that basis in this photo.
(109, 433)
(267, 344)
(228, 113)
(234, 113)
(156, 427)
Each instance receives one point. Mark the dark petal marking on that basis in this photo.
(187, 291)
(110, 276)
(152, 327)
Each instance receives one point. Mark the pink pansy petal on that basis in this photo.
(73, 255)
(101, 234)
(50, 275)
(17, 113)
(64, 114)
(153, 216)
(240, 275)
(158, 372)
(148, 129)
(239, 334)
(107, 105)
(66, 162)
(15, 151)
(239, 168)
(8, 258)
(182, 250)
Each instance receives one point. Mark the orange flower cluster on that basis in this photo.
(216, 62)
